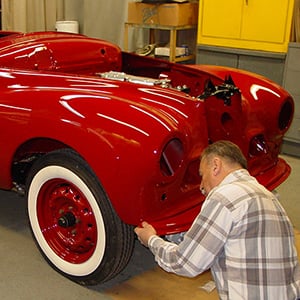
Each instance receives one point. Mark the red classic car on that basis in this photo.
(98, 140)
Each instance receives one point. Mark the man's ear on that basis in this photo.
(217, 166)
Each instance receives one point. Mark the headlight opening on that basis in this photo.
(171, 157)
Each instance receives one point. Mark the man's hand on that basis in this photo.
(145, 232)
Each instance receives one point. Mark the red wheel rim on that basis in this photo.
(67, 221)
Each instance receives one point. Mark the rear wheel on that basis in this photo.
(73, 222)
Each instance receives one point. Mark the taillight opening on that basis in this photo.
(171, 157)
(258, 146)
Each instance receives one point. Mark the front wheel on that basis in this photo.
(73, 222)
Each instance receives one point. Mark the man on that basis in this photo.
(242, 234)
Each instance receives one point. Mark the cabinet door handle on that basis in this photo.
(247, 2)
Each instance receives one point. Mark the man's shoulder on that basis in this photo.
(234, 193)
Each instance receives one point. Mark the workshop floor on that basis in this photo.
(25, 275)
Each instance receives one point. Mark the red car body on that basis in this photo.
(139, 123)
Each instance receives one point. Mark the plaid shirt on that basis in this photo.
(244, 236)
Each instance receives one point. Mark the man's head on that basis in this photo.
(217, 161)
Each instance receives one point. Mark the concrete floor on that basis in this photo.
(26, 276)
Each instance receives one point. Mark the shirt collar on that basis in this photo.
(232, 177)
(235, 175)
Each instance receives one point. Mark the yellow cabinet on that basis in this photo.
(248, 24)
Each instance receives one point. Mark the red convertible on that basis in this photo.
(98, 140)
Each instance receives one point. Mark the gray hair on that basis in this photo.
(227, 150)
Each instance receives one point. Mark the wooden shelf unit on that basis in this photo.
(173, 37)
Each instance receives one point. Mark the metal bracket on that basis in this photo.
(224, 91)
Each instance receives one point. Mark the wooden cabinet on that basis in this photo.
(247, 24)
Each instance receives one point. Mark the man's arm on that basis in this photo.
(200, 246)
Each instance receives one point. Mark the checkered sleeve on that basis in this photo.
(201, 245)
